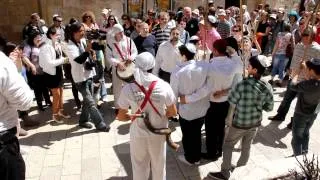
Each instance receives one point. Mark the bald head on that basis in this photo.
(187, 12)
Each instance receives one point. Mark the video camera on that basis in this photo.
(96, 34)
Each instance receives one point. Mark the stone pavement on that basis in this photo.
(63, 151)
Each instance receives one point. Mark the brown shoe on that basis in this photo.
(22, 132)
(29, 122)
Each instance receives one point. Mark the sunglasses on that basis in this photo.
(111, 19)
(124, 19)
(87, 16)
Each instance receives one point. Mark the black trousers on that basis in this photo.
(191, 138)
(164, 75)
(286, 101)
(214, 125)
(38, 84)
(12, 166)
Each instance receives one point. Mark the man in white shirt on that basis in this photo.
(191, 113)
(147, 150)
(118, 51)
(168, 56)
(15, 95)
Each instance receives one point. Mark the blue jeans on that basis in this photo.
(89, 109)
(300, 132)
(279, 65)
(103, 90)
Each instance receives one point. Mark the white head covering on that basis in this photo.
(191, 48)
(116, 29)
(264, 61)
(144, 62)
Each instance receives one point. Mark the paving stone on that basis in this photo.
(53, 160)
(71, 177)
(51, 173)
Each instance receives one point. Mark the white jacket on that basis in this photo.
(47, 58)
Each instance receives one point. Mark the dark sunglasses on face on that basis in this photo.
(111, 19)
(87, 16)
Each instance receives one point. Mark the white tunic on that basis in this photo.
(114, 57)
(148, 149)
(186, 80)
(162, 96)
(167, 58)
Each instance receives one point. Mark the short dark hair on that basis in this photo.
(184, 51)
(220, 45)
(31, 36)
(51, 31)
(255, 64)
(287, 27)
(314, 67)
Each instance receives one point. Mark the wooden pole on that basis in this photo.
(242, 42)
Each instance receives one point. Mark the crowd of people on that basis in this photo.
(202, 67)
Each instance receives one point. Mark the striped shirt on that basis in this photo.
(224, 29)
(161, 35)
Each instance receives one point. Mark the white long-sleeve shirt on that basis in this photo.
(114, 57)
(15, 94)
(186, 80)
(221, 73)
(79, 73)
(167, 58)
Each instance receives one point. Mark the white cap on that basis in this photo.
(274, 16)
(221, 12)
(264, 61)
(191, 48)
(194, 38)
(281, 10)
(196, 11)
(212, 19)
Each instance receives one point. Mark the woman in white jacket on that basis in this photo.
(50, 60)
